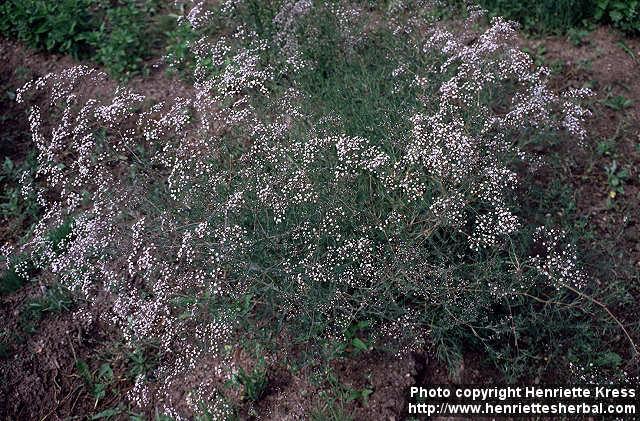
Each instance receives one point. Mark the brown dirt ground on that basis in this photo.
(601, 61)
(40, 379)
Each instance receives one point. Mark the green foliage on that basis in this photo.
(114, 34)
(334, 398)
(142, 360)
(616, 177)
(54, 300)
(623, 14)
(122, 41)
(577, 36)
(109, 413)
(98, 381)
(254, 382)
(59, 235)
(543, 16)
(330, 410)
(57, 26)
(618, 102)
(560, 16)
(178, 50)
(11, 281)
(16, 208)
(353, 343)
(21, 269)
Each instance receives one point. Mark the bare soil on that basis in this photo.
(602, 62)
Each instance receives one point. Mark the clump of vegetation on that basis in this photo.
(17, 209)
(342, 180)
(556, 16)
(623, 14)
(60, 26)
(560, 16)
(113, 34)
(254, 382)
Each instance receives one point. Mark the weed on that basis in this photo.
(606, 147)
(634, 56)
(17, 208)
(623, 14)
(618, 102)
(353, 344)
(122, 41)
(616, 178)
(60, 26)
(544, 16)
(254, 382)
(61, 235)
(538, 55)
(109, 413)
(335, 397)
(142, 361)
(330, 410)
(98, 381)
(11, 281)
(570, 16)
(577, 36)
(54, 300)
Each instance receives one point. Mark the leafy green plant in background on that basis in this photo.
(98, 381)
(618, 102)
(55, 300)
(18, 273)
(254, 382)
(16, 208)
(560, 16)
(57, 26)
(623, 14)
(616, 177)
(114, 34)
(543, 16)
(122, 43)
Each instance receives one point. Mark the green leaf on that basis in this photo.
(83, 369)
(609, 359)
(105, 372)
(615, 16)
(359, 344)
(107, 413)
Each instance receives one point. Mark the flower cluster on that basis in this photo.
(557, 259)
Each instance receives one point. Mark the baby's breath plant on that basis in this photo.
(333, 168)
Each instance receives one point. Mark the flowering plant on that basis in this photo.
(320, 186)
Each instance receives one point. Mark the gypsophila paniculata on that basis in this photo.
(180, 210)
